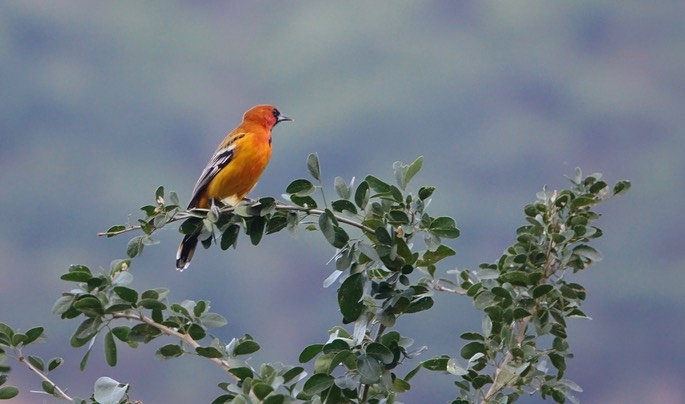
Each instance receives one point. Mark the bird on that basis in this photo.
(233, 170)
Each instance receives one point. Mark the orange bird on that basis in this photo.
(234, 169)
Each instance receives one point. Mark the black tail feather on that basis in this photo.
(185, 251)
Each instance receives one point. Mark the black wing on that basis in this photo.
(220, 160)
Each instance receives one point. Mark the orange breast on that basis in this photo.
(237, 179)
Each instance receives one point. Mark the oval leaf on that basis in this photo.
(246, 347)
(317, 383)
(110, 349)
(313, 166)
(300, 187)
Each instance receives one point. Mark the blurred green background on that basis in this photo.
(101, 102)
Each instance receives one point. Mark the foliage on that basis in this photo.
(387, 250)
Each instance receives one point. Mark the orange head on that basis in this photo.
(265, 115)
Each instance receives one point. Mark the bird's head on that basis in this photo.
(266, 115)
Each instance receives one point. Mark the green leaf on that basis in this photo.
(470, 349)
(152, 304)
(333, 233)
(309, 352)
(85, 332)
(33, 335)
(582, 201)
(426, 192)
(229, 237)
(558, 361)
(397, 217)
(377, 185)
(114, 229)
(261, 390)
(18, 339)
(196, 332)
(300, 187)
(432, 257)
(621, 187)
(110, 349)
(317, 383)
(173, 199)
(84, 360)
(199, 308)
(127, 294)
(135, 246)
(191, 225)
(370, 370)
(326, 225)
(213, 320)
(292, 373)
(121, 332)
(517, 278)
(169, 351)
(413, 169)
(404, 173)
(246, 347)
(361, 195)
(255, 228)
(143, 333)
(118, 307)
(241, 373)
(542, 290)
(472, 336)
(380, 352)
(349, 297)
(48, 387)
(208, 352)
(304, 201)
(336, 345)
(341, 188)
(558, 330)
(37, 362)
(8, 392)
(421, 304)
(313, 166)
(444, 227)
(54, 363)
(276, 223)
(587, 252)
(344, 205)
(89, 305)
(77, 273)
(400, 386)
(520, 313)
(435, 364)
(6, 332)
(383, 237)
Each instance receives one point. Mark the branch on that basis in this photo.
(59, 392)
(497, 383)
(319, 212)
(172, 333)
(279, 206)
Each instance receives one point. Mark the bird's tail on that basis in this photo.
(185, 251)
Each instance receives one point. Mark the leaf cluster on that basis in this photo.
(527, 300)
(387, 250)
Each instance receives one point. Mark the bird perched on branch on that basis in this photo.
(234, 168)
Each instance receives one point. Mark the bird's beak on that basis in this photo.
(283, 118)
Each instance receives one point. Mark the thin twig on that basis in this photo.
(313, 211)
(279, 206)
(59, 392)
(173, 333)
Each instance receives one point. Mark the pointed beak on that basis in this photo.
(283, 118)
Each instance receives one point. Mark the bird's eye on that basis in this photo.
(276, 113)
